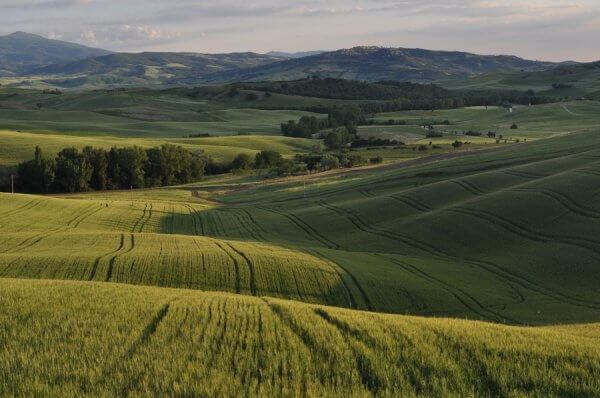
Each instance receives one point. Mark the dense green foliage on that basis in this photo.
(304, 128)
(118, 168)
(391, 96)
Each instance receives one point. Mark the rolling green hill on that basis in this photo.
(505, 236)
(92, 339)
(22, 52)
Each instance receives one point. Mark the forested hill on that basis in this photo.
(377, 63)
(390, 95)
(350, 89)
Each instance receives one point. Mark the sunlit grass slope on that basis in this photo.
(92, 339)
(113, 241)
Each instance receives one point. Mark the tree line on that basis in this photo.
(118, 168)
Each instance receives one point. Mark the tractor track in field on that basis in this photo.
(197, 220)
(564, 200)
(143, 224)
(363, 366)
(502, 274)
(85, 217)
(309, 230)
(27, 206)
(139, 220)
(365, 227)
(523, 174)
(469, 187)
(98, 259)
(336, 268)
(366, 193)
(245, 224)
(410, 203)
(149, 330)
(35, 239)
(81, 213)
(194, 220)
(251, 269)
(236, 266)
(458, 293)
(528, 233)
(260, 231)
(119, 253)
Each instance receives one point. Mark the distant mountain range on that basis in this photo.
(376, 63)
(21, 52)
(52, 63)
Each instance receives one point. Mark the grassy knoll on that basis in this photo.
(505, 236)
(92, 339)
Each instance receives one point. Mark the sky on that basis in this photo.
(553, 30)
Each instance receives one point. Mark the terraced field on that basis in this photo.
(94, 339)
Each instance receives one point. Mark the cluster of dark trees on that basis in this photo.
(304, 128)
(473, 133)
(118, 168)
(329, 161)
(391, 96)
(371, 142)
(339, 138)
(271, 160)
(434, 134)
(277, 164)
(389, 122)
(333, 88)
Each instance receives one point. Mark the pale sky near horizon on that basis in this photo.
(552, 30)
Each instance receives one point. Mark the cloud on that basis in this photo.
(261, 25)
(127, 34)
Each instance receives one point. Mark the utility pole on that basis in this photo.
(12, 184)
(131, 190)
